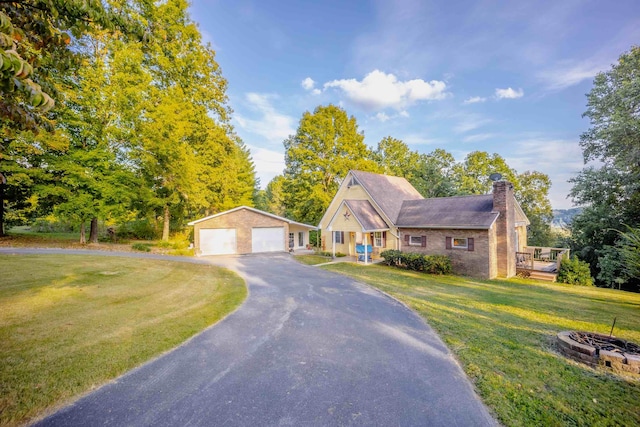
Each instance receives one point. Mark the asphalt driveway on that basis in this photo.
(308, 347)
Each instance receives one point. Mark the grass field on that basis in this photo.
(312, 259)
(20, 237)
(503, 334)
(70, 323)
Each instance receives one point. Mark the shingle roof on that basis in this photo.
(388, 192)
(366, 214)
(448, 212)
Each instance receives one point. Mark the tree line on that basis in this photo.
(328, 143)
(140, 126)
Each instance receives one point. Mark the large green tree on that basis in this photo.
(609, 192)
(531, 189)
(326, 145)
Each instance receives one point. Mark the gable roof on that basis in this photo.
(258, 211)
(366, 215)
(388, 192)
(466, 212)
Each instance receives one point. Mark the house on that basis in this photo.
(480, 234)
(246, 230)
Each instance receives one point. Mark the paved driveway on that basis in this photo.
(308, 347)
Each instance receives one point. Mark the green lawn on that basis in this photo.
(312, 259)
(503, 334)
(70, 323)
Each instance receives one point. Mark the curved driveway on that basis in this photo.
(308, 347)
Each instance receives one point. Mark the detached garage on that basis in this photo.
(246, 230)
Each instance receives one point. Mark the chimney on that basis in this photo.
(504, 204)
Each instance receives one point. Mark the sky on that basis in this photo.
(506, 77)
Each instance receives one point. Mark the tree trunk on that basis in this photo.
(165, 226)
(83, 239)
(93, 234)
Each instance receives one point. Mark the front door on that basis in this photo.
(352, 244)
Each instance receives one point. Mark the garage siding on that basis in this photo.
(243, 220)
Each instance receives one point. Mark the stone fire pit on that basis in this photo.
(600, 350)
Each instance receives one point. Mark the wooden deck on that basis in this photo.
(540, 263)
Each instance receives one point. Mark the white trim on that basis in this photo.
(411, 236)
(258, 211)
(466, 243)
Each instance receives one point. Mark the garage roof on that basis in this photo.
(258, 211)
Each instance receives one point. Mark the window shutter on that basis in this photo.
(406, 239)
(470, 243)
(342, 237)
(424, 241)
(448, 242)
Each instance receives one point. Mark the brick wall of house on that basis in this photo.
(504, 203)
(476, 263)
(243, 221)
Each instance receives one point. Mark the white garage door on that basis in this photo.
(217, 241)
(267, 239)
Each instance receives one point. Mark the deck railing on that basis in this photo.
(530, 254)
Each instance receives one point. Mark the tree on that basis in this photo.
(531, 189)
(186, 150)
(609, 193)
(275, 196)
(36, 53)
(327, 144)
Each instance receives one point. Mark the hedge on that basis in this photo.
(432, 264)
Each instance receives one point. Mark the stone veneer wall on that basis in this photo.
(476, 263)
(504, 203)
(243, 221)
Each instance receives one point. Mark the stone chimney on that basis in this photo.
(504, 204)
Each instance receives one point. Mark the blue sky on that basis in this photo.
(507, 77)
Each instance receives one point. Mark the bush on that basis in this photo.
(575, 272)
(432, 264)
(142, 229)
(143, 247)
(51, 225)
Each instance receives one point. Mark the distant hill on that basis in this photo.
(563, 217)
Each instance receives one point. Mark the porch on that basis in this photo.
(539, 262)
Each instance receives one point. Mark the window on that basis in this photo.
(377, 239)
(300, 238)
(291, 239)
(460, 242)
(338, 236)
(415, 240)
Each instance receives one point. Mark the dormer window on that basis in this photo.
(353, 181)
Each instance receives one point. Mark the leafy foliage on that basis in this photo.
(609, 193)
(431, 264)
(327, 144)
(574, 272)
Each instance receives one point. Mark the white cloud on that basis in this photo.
(380, 90)
(469, 123)
(474, 100)
(268, 163)
(383, 117)
(270, 124)
(308, 83)
(477, 137)
(559, 158)
(509, 93)
(568, 74)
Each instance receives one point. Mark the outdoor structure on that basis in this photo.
(480, 234)
(246, 230)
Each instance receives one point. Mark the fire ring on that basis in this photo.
(593, 349)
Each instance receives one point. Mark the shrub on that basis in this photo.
(432, 264)
(391, 257)
(437, 264)
(143, 247)
(140, 229)
(575, 272)
(51, 225)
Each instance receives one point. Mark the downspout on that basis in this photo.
(397, 236)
